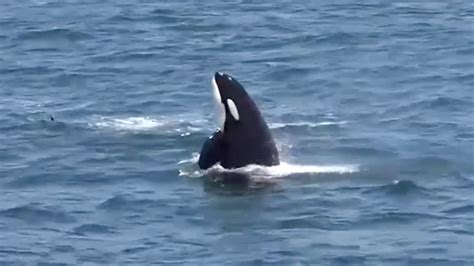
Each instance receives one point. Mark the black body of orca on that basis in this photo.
(243, 138)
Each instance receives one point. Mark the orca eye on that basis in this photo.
(233, 109)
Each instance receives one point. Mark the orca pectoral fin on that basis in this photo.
(211, 151)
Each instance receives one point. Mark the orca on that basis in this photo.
(243, 136)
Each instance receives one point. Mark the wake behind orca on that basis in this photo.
(243, 137)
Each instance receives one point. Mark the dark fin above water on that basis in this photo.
(211, 151)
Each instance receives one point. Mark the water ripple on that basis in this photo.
(55, 34)
(92, 229)
(105, 105)
(400, 188)
(32, 212)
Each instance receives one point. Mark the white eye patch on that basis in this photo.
(233, 109)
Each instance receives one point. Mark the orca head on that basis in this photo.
(230, 99)
(244, 137)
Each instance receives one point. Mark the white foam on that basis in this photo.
(307, 124)
(194, 159)
(258, 171)
(189, 169)
(129, 123)
(286, 169)
(169, 125)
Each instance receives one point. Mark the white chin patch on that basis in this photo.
(220, 109)
(233, 109)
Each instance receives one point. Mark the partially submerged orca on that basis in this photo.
(243, 137)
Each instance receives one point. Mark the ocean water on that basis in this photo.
(105, 105)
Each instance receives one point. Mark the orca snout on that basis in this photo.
(224, 81)
(219, 74)
(220, 77)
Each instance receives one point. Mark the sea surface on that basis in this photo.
(104, 106)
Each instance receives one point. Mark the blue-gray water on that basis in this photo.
(371, 106)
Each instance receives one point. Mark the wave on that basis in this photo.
(399, 188)
(86, 229)
(385, 217)
(54, 34)
(35, 214)
(123, 202)
(465, 209)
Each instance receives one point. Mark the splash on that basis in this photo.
(258, 171)
(193, 160)
(189, 167)
(287, 169)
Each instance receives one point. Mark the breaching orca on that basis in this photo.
(243, 137)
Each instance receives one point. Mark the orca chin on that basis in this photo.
(243, 136)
